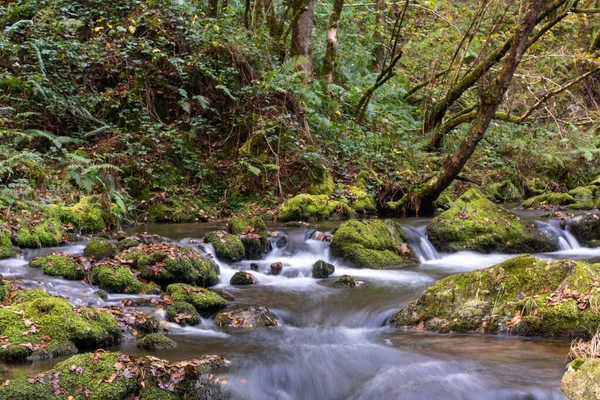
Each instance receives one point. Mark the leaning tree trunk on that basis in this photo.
(331, 44)
(302, 30)
(422, 199)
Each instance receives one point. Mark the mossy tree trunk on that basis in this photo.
(302, 30)
(422, 199)
(331, 44)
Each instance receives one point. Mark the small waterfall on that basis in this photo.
(421, 244)
(566, 240)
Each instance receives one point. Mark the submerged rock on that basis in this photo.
(347, 280)
(582, 379)
(100, 248)
(155, 341)
(322, 269)
(205, 302)
(108, 375)
(227, 247)
(475, 223)
(61, 264)
(372, 244)
(38, 325)
(523, 296)
(247, 317)
(243, 278)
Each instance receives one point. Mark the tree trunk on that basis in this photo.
(378, 35)
(331, 43)
(427, 193)
(213, 8)
(302, 30)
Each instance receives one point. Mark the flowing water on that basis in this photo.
(334, 342)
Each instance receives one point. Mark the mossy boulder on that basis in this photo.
(155, 341)
(60, 264)
(243, 278)
(549, 199)
(321, 181)
(346, 280)
(250, 226)
(582, 192)
(247, 317)
(361, 201)
(585, 228)
(100, 247)
(165, 263)
(127, 243)
(475, 223)
(47, 233)
(504, 191)
(120, 280)
(182, 313)
(228, 247)
(522, 296)
(322, 270)
(372, 244)
(45, 324)
(177, 209)
(85, 217)
(204, 301)
(582, 379)
(304, 207)
(107, 375)
(6, 247)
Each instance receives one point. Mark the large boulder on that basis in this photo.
(108, 375)
(475, 223)
(582, 379)
(372, 244)
(38, 325)
(165, 263)
(247, 317)
(523, 296)
(100, 247)
(228, 247)
(586, 229)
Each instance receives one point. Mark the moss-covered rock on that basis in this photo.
(321, 181)
(504, 191)
(60, 264)
(346, 280)
(250, 227)
(106, 375)
(583, 204)
(43, 321)
(182, 313)
(176, 209)
(242, 278)
(247, 317)
(228, 247)
(582, 192)
(322, 270)
(47, 233)
(475, 223)
(549, 199)
(132, 321)
(100, 247)
(372, 244)
(4, 289)
(204, 301)
(120, 280)
(585, 228)
(165, 263)
(523, 296)
(155, 341)
(6, 247)
(361, 202)
(127, 243)
(312, 207)
(85, 217)
(582, 379)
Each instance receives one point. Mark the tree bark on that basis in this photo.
(379, 35)
(213, 8)
(331, 42)
(302, 30)
(491, 98)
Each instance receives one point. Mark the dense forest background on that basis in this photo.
(174, 111)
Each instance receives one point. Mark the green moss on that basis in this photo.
(182, 313)
(372, 244)
(577, 363)
(176, 209)
(85, 216)
(204, 301)
(345, 280)
(512, 293)
(582, 192)
(48, 233)
(227, 247)
(55, 318)
(155, 341)
(322, 270)
(242, 278)
(6, 247)
(321, 181)
(254, 225)
(100, 248)
(120, 280)
(4, 290)
(127, 243)
(53, 349)
(504, 191)
(57, 264)
(362, 202)
(583, 204)
(475, 223)
(549, 199)
(309, 207)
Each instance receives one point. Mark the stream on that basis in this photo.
(334, 342)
